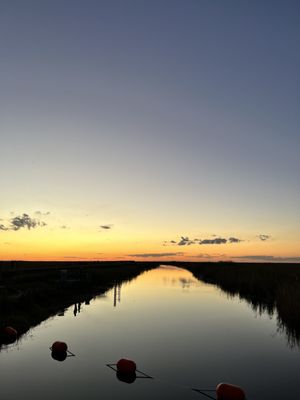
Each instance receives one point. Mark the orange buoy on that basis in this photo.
(59, 347)
(9, 334)
(125, 366)
(226, 391)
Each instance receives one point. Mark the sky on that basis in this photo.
(162, 129)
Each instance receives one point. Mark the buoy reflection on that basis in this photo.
(227, 391)
(127, 378)
(126, 371)
(8, 335)
(59, 356)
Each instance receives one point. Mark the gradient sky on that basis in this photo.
(128, 124)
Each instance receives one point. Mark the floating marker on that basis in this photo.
(59, 347)
(125, 366)
(226, 391)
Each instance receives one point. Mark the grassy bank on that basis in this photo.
(31, 292)
(274, 288)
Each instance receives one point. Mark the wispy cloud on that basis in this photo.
(3, 228)
(217, 240)
(202, 255)
(106, 227)
(42, 214)
(212, 256)
(77, 257)
(169, 242)
(234, 240)
(264, 237)
(156, 255)
(267, 258)
(186, 241)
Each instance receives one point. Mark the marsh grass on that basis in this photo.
(272, 288)
(30, 293)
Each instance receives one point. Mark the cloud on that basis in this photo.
(106, 227)
(264, 237)
(155, 255)
(201, 256)
(64, 227)
(77, 257)
(268, 258)
(185, 241)
(3, 228)
(40, 213)
(217, 240)
(169, 243)
(234, 240)
(25, 221)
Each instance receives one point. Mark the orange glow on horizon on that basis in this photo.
(85, 244)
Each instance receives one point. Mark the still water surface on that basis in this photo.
(184, 333)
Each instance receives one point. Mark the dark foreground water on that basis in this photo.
(184, 333)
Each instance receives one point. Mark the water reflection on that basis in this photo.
(181, 331)
(272, 289)
(186, 283)
(177, 277)
(117, 293)
(59, 356)
(77, 308)
(24, 304)
(127, 378)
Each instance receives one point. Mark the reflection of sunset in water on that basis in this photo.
(175, 328)
(170, 276)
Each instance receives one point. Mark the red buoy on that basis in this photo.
(125, 366)
(226, 391)
(9, 334)
(59, 347)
